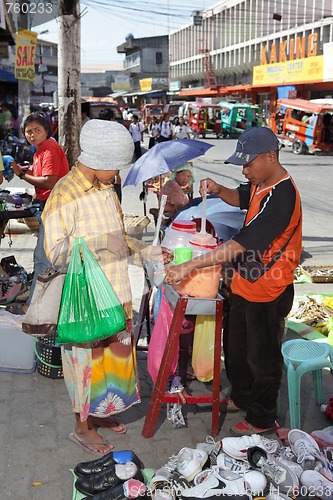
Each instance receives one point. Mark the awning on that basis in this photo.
(7, 76)
(147, 93)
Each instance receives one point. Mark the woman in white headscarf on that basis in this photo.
(101, 378)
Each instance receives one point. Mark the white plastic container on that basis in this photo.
(17, 349)
(202, 243)
(204, 282)
(178, 234)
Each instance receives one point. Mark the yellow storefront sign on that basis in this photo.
(146, 84)
(309, 69)
(26, 42)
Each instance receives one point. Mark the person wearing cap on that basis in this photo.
(101, 379)
(263, 254)
(180, 178)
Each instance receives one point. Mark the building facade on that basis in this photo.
(245, 43)
(145, 59)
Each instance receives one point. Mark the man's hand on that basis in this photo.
(175, 274)
(212, 187)
(117, 246)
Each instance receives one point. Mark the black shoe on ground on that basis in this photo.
(105, 462)
(114, 475)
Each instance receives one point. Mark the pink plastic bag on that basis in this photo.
(159, 338)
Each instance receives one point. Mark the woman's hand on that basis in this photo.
(212, 187)
(117, 246)
(15, 168)
(175, 274)
(159, 254)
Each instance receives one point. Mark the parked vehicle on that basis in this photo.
(304, 125)
(172, 109)
(150, 110)
(203, 119)
(238, 117)
(94, 107)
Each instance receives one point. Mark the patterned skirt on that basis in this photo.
(102, 380)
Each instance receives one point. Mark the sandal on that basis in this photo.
(113, 424)
(85, 444)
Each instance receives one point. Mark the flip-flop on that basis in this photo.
(85, 444)
(112, 424)
(116, 426)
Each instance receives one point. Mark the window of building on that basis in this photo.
(158, 57)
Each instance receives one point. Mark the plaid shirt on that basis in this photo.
(77, 209)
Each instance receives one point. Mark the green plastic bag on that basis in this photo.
(89, 310)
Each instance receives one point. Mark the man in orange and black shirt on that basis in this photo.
(259, 303)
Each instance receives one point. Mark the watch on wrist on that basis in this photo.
(21, 175)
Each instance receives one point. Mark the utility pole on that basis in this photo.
(69, 72)
(24, 86)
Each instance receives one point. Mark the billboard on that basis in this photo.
(26, 42)
(309, 69)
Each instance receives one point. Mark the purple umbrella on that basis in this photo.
(163, 157)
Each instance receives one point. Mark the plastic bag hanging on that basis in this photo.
(89, 310)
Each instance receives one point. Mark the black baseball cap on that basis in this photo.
(252, 143)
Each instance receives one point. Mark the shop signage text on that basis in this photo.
(298, 50)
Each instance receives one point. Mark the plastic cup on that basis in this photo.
(182, 254)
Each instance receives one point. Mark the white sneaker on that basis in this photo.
(255, 481)
(305, 448)
(276, 470)
(212, 448)
(190, 462)
(217, 482)
(167, 469)
(226, 462)
(236, 447)
(317, 485)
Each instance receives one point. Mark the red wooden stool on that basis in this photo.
(186, 305)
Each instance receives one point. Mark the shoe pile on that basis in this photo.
(245, 468)
(115, 476)
(13, 280)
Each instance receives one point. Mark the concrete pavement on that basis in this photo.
(36, 415)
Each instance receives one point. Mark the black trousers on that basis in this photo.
(137, 149)
(252, 341)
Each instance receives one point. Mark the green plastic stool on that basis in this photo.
(301, 356)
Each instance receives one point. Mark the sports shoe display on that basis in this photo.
(190, 462)
(212, 448)
(305, 448)
(218, 483)
(316, 484)
(280, 474)
(237, 447)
